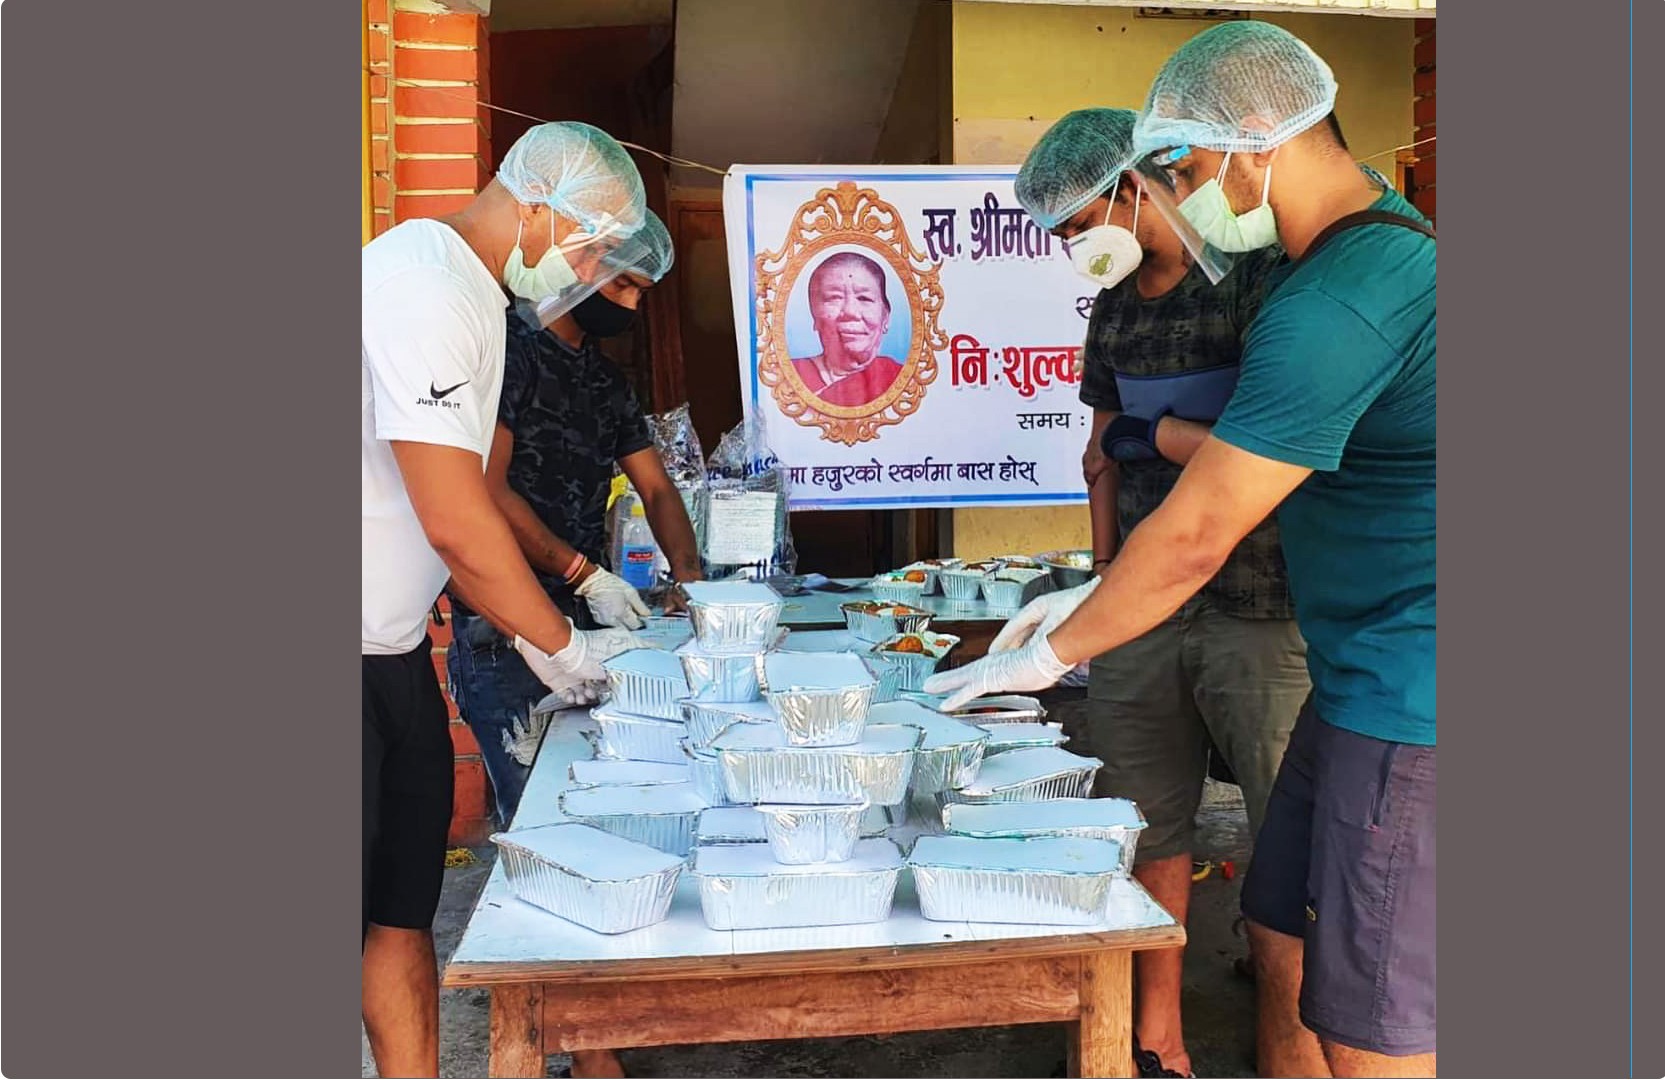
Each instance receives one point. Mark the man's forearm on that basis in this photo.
(668, 518)
(1101, 506)
(1177, 440)
(542, 548)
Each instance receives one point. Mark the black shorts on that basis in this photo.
(1345, 861)
(407, 789)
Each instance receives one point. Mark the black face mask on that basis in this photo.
(599, 317)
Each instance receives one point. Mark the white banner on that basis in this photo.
(910, 334)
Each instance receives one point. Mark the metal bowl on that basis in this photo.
(1068, 568)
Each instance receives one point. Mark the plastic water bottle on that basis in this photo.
(638, 553)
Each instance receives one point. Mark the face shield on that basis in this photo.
(574, 269)
(1156, 181)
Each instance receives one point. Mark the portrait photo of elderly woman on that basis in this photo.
(850, 310)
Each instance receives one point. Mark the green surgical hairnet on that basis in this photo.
(580, 172)
(1240, 86)
(1078, 159)
(657, 253)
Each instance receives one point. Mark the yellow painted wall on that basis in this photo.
(1018, 67)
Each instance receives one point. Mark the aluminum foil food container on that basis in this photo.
(879, 620)
(1068, 568)
(1020, 562)
(744, 825)
(931, 568)
(895, 588)
(963, 583)
(888, 677)
(949, 752)
(662, 816)
(915, 667)
(637, 738)
(601, 772)
(588, 876)
(1089, 819)
(721, 677)
(1002, 709)
(1015, 587)
(799, 833)
(1058, 881)
(705, 772)
(733, 616)
(760, 766)
(1041, 772)
(820, 699)
(646, 682)
(706, 720)
(742, 887)
(1004, 737)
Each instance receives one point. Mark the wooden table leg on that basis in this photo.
(1104, 1041)
(517, 1030)
(596, 1064)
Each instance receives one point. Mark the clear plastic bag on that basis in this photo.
(679, 448)
(747, 481)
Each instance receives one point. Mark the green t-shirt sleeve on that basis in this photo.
(1311, 366)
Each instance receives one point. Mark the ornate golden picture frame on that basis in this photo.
(841, 217)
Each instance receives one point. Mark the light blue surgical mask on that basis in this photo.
(541, 283)
(1210, 213)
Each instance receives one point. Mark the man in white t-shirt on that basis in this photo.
(554, 225)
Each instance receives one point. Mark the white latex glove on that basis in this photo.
(522, 740)
(1041, 616)
(576, 672)
(1033, 667)
(613, 601)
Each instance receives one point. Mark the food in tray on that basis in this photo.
(923, 643)
(914, 575)
(984, 566)
(907, 643)
(882, 607)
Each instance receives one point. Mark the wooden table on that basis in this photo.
(557, 987)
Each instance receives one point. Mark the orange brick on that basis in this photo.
(378, 11)
(431, 174)
(378, 86)
(381, 221)
(456, 102)
(378, 118)
(406, 207)
(381, 191)
(380, 46)
(462, 739)
(462, 137)
(451, 29)
(472, 795)
(419, 63)
(380, 156)
(470, 832)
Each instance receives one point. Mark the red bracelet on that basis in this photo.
(577, 565)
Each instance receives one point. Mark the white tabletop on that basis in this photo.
(506, 930)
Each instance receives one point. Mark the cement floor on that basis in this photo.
(1218, 1004)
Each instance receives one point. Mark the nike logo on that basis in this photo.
(437, 394)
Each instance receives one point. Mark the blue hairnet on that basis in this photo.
(657, 253)
(1078, 159)
(1240, 86)
(580, 172)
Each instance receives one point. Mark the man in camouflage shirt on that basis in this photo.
(1228, 670)
(565, 417)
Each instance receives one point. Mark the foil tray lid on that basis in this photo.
(654, 663)
(788, 671)
(756, 861)
(1038, 854)
(632, 799)
(989, 819)
(742, 711)
(1018, 735)
(1017, 767)
(608, 712)
(589, 852)
(939, 731)
(731, 593)
(736, 824)
(875, 739)
(595, 772)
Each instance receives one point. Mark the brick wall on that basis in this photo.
(1422, 195)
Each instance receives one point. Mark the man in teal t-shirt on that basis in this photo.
(1331, 425)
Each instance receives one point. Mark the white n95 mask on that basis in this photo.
(550, 278)
(1105, 254)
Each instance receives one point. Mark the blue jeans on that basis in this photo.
(493, 689)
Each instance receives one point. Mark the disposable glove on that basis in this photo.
(1033, 667)
(576, 672)
(613, 601)
(1041, 616)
